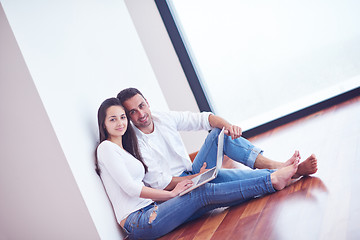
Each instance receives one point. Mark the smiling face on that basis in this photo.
(115, 122)
(139, 113)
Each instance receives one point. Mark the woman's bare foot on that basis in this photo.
(282, 177)
(294, 157)
(307, 167)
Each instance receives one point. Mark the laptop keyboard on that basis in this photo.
(206, 175)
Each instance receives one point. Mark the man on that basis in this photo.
(167, 160)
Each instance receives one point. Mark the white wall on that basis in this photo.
(64, 59)
(165, 64)
(39, 198)
(78, 53)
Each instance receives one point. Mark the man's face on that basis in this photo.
(139, 112)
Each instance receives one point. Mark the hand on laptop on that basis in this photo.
(182, 186)
(203, 168)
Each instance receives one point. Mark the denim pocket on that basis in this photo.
(126, 230)
(131, 222)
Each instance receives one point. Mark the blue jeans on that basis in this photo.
(172, 213)
(230, 187)
(240, 150)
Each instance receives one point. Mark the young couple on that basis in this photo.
(144, 166)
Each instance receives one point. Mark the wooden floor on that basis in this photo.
(324, 206)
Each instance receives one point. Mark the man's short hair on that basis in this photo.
(128, 93)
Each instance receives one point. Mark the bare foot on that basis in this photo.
(307, 167)
(294, 157)
(282, 177)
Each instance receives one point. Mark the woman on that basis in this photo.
(149, 213)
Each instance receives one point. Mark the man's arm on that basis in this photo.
(230, 130)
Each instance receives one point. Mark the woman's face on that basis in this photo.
(115, 121)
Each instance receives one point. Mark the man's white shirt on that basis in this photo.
(163, 150)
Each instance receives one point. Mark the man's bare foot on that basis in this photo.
(294, 157)
(282, 177)
(307, 167)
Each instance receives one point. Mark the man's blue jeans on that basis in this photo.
(240, 150)
(232, 186)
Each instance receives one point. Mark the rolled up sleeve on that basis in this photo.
(189, 121)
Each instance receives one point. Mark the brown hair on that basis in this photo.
(128, 93)
(130, 142)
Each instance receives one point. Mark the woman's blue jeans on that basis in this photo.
(172, 213)
(231, 187)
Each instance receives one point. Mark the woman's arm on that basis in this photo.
(163, 195)
(176, 180)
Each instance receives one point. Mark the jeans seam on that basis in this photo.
(247, 149)
(212, 140)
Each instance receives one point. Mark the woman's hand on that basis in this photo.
(177, 180)
(181, 186)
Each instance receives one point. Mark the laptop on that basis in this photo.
(211, 173)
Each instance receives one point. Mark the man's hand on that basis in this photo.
(233, 131)
(203, 168)
(230, 130)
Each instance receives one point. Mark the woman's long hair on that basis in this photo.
(129, 139)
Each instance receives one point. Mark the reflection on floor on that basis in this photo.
(324, 206)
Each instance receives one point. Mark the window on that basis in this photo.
(257, 61)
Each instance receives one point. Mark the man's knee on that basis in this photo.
(213, 135)
(215, 131)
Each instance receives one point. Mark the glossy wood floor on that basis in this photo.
(324, 206)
